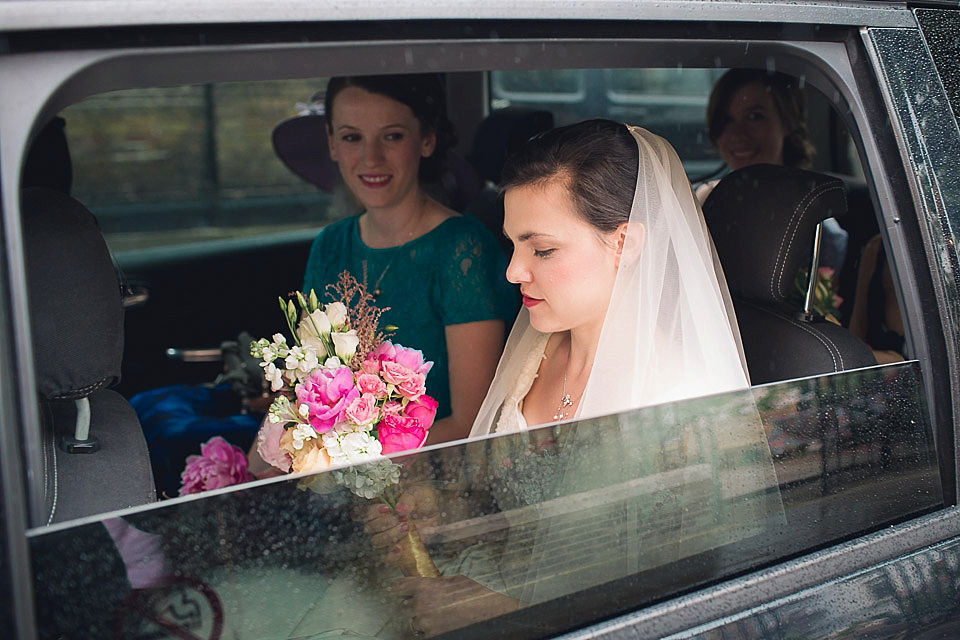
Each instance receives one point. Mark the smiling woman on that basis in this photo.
(438, 275)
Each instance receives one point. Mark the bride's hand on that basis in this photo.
(387, 528)
(438, 605)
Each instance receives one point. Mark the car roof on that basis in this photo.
(32, 15)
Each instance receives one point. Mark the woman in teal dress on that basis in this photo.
(440, 273)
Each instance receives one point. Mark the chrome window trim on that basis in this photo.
(29, 15)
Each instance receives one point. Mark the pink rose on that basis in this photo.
(326, 394)
(394, 372)
(400, 433)
(370, 366)
(363, 410)
(423, 409)
(414, 386)
(393, 407)
(268, 445)
(372, 384)
(220, 464)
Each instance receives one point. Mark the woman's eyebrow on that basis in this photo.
(529, 235)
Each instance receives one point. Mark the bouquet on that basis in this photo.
(346, 397)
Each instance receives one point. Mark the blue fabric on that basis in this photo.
(454, 274)
(176, 420)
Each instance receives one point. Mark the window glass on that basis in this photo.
(669, 102)
(575, 522)
(940, 31)
(172, 165)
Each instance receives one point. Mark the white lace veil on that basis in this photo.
(670, 331)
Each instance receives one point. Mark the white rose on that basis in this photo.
(345, 344)
(337, 313)
(314, 325)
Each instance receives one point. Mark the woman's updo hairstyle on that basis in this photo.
(424, 93)
(596, 160)
(788, 98)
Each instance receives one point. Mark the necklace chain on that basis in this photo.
(396, 244)
(563, 409)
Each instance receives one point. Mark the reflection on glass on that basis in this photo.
(570, 523)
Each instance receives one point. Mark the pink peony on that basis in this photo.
(326, 394)
(409, 358)
(220, 464)
(268, 445)
(372, 384)
(400, 433)
(363, 410)
(424, 410)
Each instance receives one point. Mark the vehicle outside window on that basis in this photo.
(820, 505)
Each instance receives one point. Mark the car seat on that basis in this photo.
(763, 220)
(499, 134)
(95, 457)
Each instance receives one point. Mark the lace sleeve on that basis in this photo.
(473, 284)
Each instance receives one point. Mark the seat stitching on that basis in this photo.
(832, 349)
(810, 197)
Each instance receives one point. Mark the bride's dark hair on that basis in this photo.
(596, 160)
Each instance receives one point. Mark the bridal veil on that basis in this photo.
(675, 478)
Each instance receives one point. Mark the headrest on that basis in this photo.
(500, 133)
(763, 219)
(76, 311)
(48, 161)
(301, 144)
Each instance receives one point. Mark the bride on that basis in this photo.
(625, 306)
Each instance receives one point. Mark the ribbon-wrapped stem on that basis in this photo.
(415, 561)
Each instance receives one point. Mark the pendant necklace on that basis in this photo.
(563, 409)
(376, 286)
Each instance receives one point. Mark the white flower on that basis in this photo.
(302, 359)
(371, 479)
(302, 433)
(316, 344)
(314, 325)
(337, 313)
(273, 375)
(351, 447)
(333, 362)
(345, 344)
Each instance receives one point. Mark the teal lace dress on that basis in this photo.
(454, 274)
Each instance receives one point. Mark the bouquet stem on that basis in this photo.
(415, 561)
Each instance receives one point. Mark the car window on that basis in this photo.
(176, 165)
(669, 102)
(685, 495)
